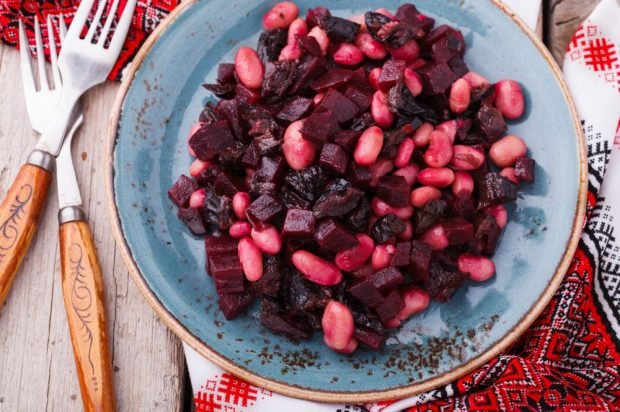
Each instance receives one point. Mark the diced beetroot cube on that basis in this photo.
(192, 217)
(298, 223)
(243, 94)
(271, 170)
(319, 126)
(182, 190)
(524, 169)
(387, 278)
(251, 158)
(307, 70)
(444, 281)
(420, 258)
(295, 109)
(226, 73)
(491, 122)
(486, 235)
(335, 77)
(402, 254)
(333, 236)
(309, 45)
(316, 15)
(359, 175)
(458, 66)
(220, 245)
(270, 283)
(229, 110)
(437, 33)
(392, 305)
(436, 77)
(227, 286)
(394, 190)
(347, 139)
(369, 337)
(360, 82)
(409, 14)
(233, 305)
(262, 210)
(224, 266)
(452, 44)
(285, 324)
(211, 139)
(343, 109)
(365, 291)
(333, 158)
(360, 98)
(494, 189)
(227, 184)
(458, 230)
(391, 73)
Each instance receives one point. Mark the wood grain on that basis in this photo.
(562, 20)
(19, 217)
(38, 371)
(82, 286)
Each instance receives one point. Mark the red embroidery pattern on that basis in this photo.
(600, 55)
(228, 393)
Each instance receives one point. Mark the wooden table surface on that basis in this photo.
(36, 360)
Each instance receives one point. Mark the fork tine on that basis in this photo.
(26, 66)
(51, 38)
(79, 19)
(40, 55)
(120, 34)
(63, 27)
(96, 20)
(108, 23)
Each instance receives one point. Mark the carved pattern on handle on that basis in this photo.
(9, 230)
(82, 302)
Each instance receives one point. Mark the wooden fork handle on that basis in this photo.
(82, 287)
(19, 214)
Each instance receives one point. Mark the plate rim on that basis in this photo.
(400, 392)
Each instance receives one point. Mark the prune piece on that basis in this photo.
(401, 101)
(229, 110)
(444, 281)
(270, 44)
(458, 66)
(463, 205)
(391, 73)
(420, 258)
(221, 90)
(268, 144)
(343, 109)
(494, 189)
(359, 175)
(368, 338)
(359, 217)
(339, 29)
(387, 279)
(246, 95)
(278, 78)
(227, 184)
(448, 46)
(207, 177)
(347, 139)
(317, 127)
(315, 15)
(182, 190)
(262, 210)
(361, 98)
(292, 200)
(486, 235)
(211, 139)
(271, 170)
(335, 77)
(339, 198)
(394, 190)
(192, 217)
(307, 183)
(331, 235)
(402, 254)
(258, 188)
(393, 33)
(218, 210)
(307, 70)
(385, 227)
(430, 215)
(366, 292)
(226, 73)
(298, 223)
(438, 108)
(436, 77)
(220, 245)
(309, 45)
(490, 122)
(233, 305)
(458, 230)
(208, 114)
(524, 169)
(333, 158)
(295, 109)
(408, 13)
(392, 305)
(230, 159)
(283, 323)
(304, 296)
(362, 122)
(482, 92)
(270, 283)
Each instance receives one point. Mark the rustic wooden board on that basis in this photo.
(38, 371)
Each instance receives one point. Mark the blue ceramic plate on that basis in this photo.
(160, 99)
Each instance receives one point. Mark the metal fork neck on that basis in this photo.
(42, 159)
(71, 214)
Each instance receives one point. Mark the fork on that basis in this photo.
(82, 64)
(82, 282)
